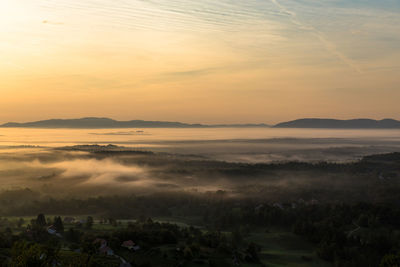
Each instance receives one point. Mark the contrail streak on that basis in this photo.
(329, 46)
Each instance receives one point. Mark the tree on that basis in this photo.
(30, 254)
(58, 224)
(73, 235)
(237, 237)
(89, 222)
(41, 220)
(391, 260)
(20, 222)
(252, 252)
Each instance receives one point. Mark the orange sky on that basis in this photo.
(199, 61)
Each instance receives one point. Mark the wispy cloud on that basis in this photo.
(190, 73)
(52, 22)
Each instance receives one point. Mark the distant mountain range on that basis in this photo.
(98, 123)
(341, 124)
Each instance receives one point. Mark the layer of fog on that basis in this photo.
(61, 173)
(86, 171)
(176, 160)
(279, 149)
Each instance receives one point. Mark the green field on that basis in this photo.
(279, 247)
(283, 248)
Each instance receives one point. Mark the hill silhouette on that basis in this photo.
(341, 124)
(93, 123)
(98, 123)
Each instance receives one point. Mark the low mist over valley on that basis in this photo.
(96, 170)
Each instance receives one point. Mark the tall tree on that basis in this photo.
(41, 220)
(58, 224)
(89, 222)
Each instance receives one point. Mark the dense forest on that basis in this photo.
(362, 234)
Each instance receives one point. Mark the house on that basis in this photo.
(29, 233)
(69, 219)
(106, 250)
(387, 176)
(51, 230)
(129, 244)
(102, 242)
(103, 249)
(301, 201)
(124, 263)
(54, 263)
(259, 208)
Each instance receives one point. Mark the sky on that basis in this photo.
(199, 61)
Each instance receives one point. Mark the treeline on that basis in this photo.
(346, 235)
(361, 234)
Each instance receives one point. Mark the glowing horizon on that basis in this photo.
(199, 62)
